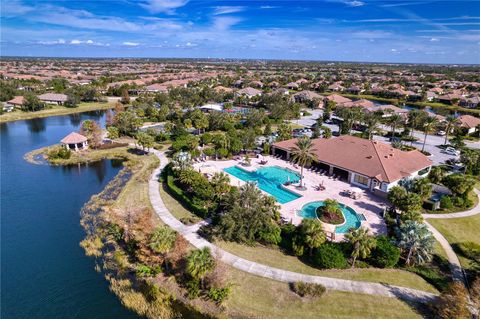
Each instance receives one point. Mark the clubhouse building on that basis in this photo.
(368, 164)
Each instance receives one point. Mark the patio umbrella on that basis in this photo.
(357, 190)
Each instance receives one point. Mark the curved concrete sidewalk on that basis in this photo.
(455, 266)
(190, 234)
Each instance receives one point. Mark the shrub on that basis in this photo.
(306, 289)
(458, 201)
(59, 153)
(219, 295)
(330, 256)
(330, 213)
(193, 289)
(146, 271)
(470, 249)
(446, 202)
(287, 232)
(179, 195)
(385, 254)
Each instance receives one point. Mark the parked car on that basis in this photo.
(451, 151)
(441, 133)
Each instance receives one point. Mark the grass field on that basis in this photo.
(257, 297)
(175, 207)
(458, 230)
(276, 258)
(55, 110)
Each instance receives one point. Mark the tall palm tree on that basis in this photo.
(394, 120)
(303, 154)
(312, 233)
(450, 122)
(415, 117)
(371, 122)
(429, 125)
(362, 242)
(417, 241)
(162, 241)
(199, 263)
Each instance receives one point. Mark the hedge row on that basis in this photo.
(183, 198)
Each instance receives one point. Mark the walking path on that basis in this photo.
(455, 266)
(190, 234)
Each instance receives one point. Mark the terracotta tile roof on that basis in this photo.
(338, 99)
(73, 138)
(53, 97)
(370, 158)
(469, 121)
(17, 100)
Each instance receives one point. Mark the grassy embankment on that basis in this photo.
(457, 231)
(257, 297)
(53, 111)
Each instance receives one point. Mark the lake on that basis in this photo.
(44, 271)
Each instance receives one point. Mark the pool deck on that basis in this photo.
(369, 205)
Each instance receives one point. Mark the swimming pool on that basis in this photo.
(352, 219)
(269, 179)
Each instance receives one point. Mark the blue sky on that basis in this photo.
(344, 30)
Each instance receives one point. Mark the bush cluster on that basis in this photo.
(59, 153)
(306, 289)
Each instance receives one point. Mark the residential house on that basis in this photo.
(248, 92)
(53, 98)
(469, 123)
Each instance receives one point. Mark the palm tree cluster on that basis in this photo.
(303, 154)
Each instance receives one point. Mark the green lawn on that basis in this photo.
(175, 207)
(458, 230)
(257, 297)
(276, 258)
(55, 110)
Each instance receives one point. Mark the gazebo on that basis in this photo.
(75, 141)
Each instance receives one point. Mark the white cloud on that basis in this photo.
(350, 3)
(224, 23)
(227, 9)
(268, 7)
(163, 6)
(434, 40)
(131, 44)
(53, 42)
(13, 8)
(88, 42)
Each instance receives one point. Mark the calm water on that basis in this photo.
(44, 272)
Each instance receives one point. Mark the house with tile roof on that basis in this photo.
(372, 165)
(469, 123)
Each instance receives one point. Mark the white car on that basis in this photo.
(451, 151)
(441, 133)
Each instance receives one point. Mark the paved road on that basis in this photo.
(190, 234)
(430, 146)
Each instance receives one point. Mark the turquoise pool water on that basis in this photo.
(269, 179)
(352, 220)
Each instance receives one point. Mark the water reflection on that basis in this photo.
(75, 119)
(36, 125)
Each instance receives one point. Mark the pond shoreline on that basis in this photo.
(19, 115)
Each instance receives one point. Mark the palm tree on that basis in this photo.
(414, 119)
(394, 120)
(162, 241)
(417, 241)
(303, 154)
(371, 122)
(362, 242)
(429, 125)
(199, 263)
(450, 122)
(221, 183)
(312, 233)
